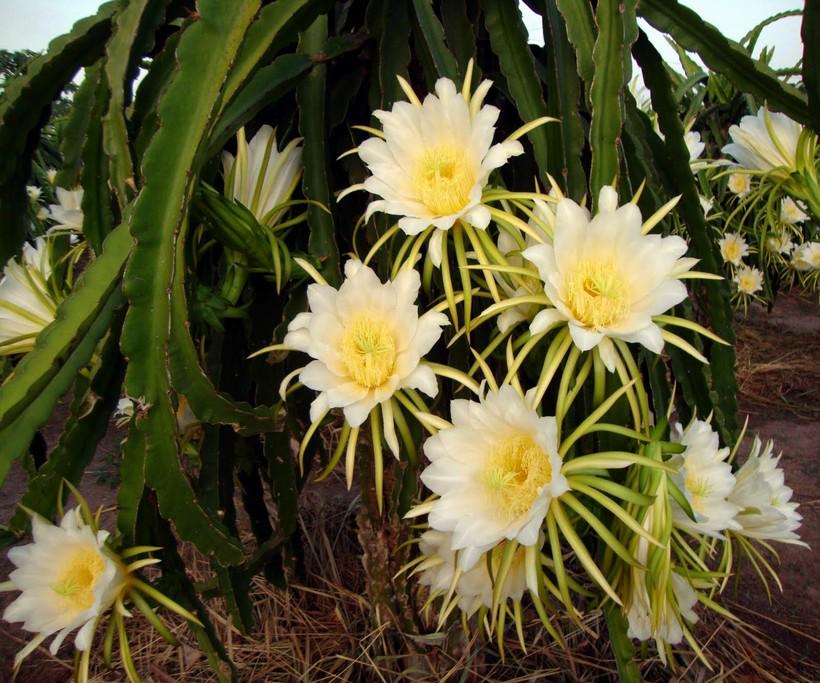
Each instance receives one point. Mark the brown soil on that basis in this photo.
(321, 631)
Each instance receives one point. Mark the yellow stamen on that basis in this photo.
(444, 178)
(516, 472)
(77, 582)
(596, 294)
(699, 488)
(368, 350)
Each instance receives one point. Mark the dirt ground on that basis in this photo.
(779, 377)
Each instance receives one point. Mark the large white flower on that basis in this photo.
(764, 142)
(605, 278)
(435, 157)
(261, 177)
(705, 478)
(807, 256)
(68, 214)
(669, 627)
(367, 339)
(764, 500)
(780, 243)
(26, 306)
(67, 580)
(474, 587)
(496, 471)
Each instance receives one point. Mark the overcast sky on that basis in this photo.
(33, 23)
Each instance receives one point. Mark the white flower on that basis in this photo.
(733, 248)
(670, 628)
(434, 160)
(367, 340)
(792, 212)
(748, 280)
(33, 193)
(51, 174)
(705, 478)
(766, 511)
(764, 142)
(68, 214)
(607, 279)
(261, 177)
(706, 205)
(474, 587)
(807, 256)
(67, 580)
(663, 624)
(26, 306)
(694, 144)
(780, 243)
(496, 471)
(740, 184)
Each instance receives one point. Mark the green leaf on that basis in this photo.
(720, 374)
(580, 28)
(74, 130)
(17, 436)
(144, 110)
(132, 483)
(388, 22)
(96, 202)
(460, 29)
(25, 99)
(185, 112)
(267, 85)
(85, 427)
(810, 33)
(432, 35)
(76, 316)
(115, 134)
(622, 648)
(508, 37)
(724, 56)
(277, 24)
(606, 93)
(566, 100)
(310, 96)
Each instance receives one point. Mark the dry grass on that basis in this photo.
(773, 375)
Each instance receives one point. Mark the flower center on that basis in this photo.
(596, 294)
(444, 178)
(368, 350)
(76, 583)
(699, 488)
(516, 472)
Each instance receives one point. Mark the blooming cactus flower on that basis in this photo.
(733, 248)
(740, 184)
(792, 212)
(606, 278)
(434, 159)
(748, 280)
(766, 511)
(474, 588)
(26, 306)
(68, 214)
(367, 339)
(705, 478)
(496, 471)
(261, 177)
(66, 579)
(807, 256)
(764, 142)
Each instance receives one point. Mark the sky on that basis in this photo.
(33, 23)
